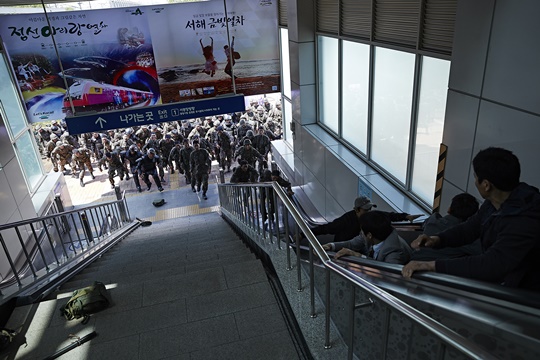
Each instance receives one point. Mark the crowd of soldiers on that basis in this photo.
(186, 146)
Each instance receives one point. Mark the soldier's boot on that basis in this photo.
(112, 184)
(127, 176)
(82, 183)
(92, 175)
(139, 189)
(204, 196)
(172, 170)
(100, 168)
(162, 180)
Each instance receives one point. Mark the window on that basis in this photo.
(20, 133)
(285, 63)
(28, 157)
(383, 93)
(328, 66)
(355, 94)
(9, 100)
(429, 130)
(392, 104)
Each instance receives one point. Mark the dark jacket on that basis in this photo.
(510, 239)
(347, 225)
(393, 250)
(241, 176)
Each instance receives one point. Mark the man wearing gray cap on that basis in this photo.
(347, 226)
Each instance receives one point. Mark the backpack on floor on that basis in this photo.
(158, 202)
(86, 301)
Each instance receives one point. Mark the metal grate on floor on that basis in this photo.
(182, 212)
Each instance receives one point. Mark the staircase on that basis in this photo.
(185, 288)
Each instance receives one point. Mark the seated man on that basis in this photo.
(463, 206)
(378, 241)
(347, 226)
(507, 224)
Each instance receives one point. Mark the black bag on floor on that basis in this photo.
(158, 202)
(86, 301)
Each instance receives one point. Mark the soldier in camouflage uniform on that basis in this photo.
(115, 164)
(201, 166)
(165, 146)
(62, 153)
(248, 153)
(82, 158)
(225, 144)
(174, 158)
(153, 143)
(49, 147)
(185, 154)
(245, 173)
(242, 129)
(131, 156)
(262, 143)
(148, 167)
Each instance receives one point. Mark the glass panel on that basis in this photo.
(287, 119)
(328, 82)
(392, 99)
(429, 132)
(355, 91)
(9, 99)
(285, 63)
(27, 155)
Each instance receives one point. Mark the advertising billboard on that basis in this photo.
(124, 58)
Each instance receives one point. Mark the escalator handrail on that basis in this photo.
(444, 333)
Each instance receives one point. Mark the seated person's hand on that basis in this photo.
(411, 218)
(425, 241)
(346, 252)
(327, 247)
(414, 266)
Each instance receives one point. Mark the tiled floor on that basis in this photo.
(185, 288)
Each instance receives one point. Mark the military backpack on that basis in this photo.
(86, 301)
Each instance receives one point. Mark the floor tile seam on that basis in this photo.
(230, 290)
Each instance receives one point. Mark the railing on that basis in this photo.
(249, 205)
(42, 252)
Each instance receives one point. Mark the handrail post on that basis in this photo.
(312, 282)
(25, 251)
(352, 308)
(121, 206)
(86, 228)
(276, 217)
(60, 207)
(36, 239)
(287, 238)
(298, 265)
(10, 260)
(327, 344)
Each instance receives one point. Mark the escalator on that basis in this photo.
(498, 321)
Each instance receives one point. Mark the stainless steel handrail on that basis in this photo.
(58, 244)
(33, 220)
(446, 335)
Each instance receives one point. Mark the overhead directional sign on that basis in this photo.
(154, 114)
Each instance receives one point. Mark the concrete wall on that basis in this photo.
(493, 91)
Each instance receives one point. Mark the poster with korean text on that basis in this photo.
(115, 59)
